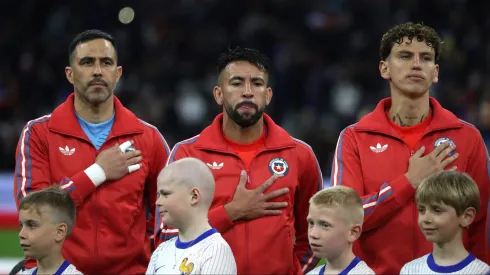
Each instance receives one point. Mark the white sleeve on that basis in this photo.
(218, 259)
(151, 266)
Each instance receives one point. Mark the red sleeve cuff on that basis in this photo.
(83, 187)
(218, 218)
(402, 189)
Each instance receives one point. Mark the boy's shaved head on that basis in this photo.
(191, 173)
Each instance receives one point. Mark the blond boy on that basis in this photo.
(447, 203)
(186, 191)
(334, 224)
(46, 219)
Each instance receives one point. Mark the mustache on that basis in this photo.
(247, 103)
(97, 80)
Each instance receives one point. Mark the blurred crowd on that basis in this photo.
(324, 56)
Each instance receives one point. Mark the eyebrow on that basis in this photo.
(91, 58)
(241, 78)
(31, 221)
(421, 53)
(164, 191)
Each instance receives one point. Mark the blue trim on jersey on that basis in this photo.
(450, 268)
(167, 150)
(176, 147)
(346, 271)
(28, 158)
(184, 245)
(350, 266)
(339, 158)
(320, 175)
(306, 256)
(375, 197)
(60, 270)
(322, 270)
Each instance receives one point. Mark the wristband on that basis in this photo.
(96, 174)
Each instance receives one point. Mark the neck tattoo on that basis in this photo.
(397, 119)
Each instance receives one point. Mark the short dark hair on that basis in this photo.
(57, 199)
(455, 189)
(410, 30)
(258, 59)
(87, 36)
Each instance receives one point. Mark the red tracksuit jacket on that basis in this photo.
(264, 245)
(115, 221)
(372, 159)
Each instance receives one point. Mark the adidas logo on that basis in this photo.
(67, 151)
(379, 148)
(215, 165)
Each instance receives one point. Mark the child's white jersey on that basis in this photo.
(207, 254)
(427, 265)
(355, 267)
(65, 269)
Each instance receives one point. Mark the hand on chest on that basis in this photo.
(385, 158)
(69, 156)
(227, 169)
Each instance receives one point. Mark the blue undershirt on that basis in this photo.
(97, 133)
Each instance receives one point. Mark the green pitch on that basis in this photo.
(10, 247)
(322, 262)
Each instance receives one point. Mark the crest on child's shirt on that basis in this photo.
(186, 268)
(279, 166)
(439, 141)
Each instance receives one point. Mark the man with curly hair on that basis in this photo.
(409, 136)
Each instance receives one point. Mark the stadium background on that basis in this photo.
(324, 56)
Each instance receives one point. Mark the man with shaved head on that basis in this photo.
(186, 191)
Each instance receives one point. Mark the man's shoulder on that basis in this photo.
(469, 129)
(39, 124)
(187, 142)
(302, 145)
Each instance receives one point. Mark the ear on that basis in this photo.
(61, 232)
(384, 69)
(354, 233)
(195, 196)
(119, 73)
(218, 95)
(468, 217)
(436, 74)
(268, 96)
(69, 74)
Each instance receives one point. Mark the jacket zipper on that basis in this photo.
(414, 207)
(247, 233)
(96, 251)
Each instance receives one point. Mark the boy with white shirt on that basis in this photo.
(186, 191)
(46, 219)
(447, 203)
(334, 224)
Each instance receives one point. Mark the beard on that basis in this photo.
(244, 120)
(96, 95)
